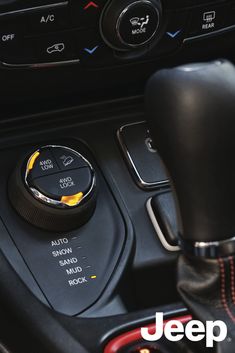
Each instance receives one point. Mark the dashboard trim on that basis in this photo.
(210, 34)
(40, 65)
(158, 230)
(33, 9)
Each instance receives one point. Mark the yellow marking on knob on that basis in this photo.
(93, 277)
(72, 200)
(32, 160)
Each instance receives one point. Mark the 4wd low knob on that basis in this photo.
(127, 25)
(54, 189)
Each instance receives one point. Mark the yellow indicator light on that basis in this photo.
(145, 350)
(93, 277)
(72, 200)
(32, 160)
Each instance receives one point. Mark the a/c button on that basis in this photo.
(52, 19)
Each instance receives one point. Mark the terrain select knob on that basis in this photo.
(127, 24)
(54, 189)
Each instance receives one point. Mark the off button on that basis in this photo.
(138, 23)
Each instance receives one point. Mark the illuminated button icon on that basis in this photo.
(173, 34)
(91, 4)
(8, 37)
(91, 50)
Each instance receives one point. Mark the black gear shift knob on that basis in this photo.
(191, 114)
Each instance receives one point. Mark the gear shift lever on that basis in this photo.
(191, 113)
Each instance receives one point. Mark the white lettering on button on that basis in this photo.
(47, 19)
(72, 260)
(66, 183)
(140, 23)
(72, 271)
(62, 252)
(8, 37)
(46, 164)
(76, 281)
(58, 242)
(209, 20)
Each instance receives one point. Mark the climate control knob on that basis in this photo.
(127, 25)
(54, 188)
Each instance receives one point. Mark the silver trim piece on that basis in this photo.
(210, 34)
(158, 230)
(211, 250)
(40, 65)
(3, 349)
(123, 13)
(33, 9)
(143, 184)
(45, 199)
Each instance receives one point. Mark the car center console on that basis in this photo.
(88, 226)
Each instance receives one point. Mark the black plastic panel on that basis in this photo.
(72, 269)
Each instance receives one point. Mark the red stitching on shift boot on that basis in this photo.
(232, 278)
(223, 290)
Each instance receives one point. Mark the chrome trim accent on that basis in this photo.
(3, 349)
(123, 13)
(33, 9)
(47, 200)
(158, 230)
(210, 34)
(142, 184)
(211, 250)
(40, 65)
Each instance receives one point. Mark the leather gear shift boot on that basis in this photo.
(208, 289)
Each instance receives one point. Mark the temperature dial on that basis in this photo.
(54, 188)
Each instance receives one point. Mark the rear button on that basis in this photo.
(64, 184)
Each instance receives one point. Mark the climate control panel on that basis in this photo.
(100, 33)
